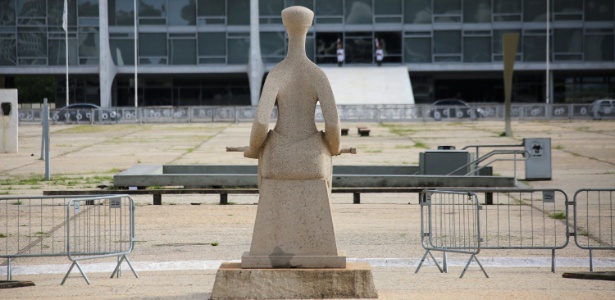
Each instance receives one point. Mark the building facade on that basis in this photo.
(197, 52)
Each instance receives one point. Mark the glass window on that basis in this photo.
(447, 6)
(309, 47)
(477, 11)
(122, 51)
(209, 8)
(447, 42)
(359, 47)
(601, 49)
(182, 12)
(238, 48)
(182, 51)
(7, 13)
(567, 6)
(507, 6)
(477, 49)
(31, 42)
(8, 45)
(31, 8)
(390, 41)
(507, 10)
(598, 10)
(57, 53)
(212, 44)
(54, 17)
(88, 8)
(329, 8)
(270, 7)
(326, 47)
(417, 11)
(568, 40)
(152, 8)
(567, 10)
(359, 12)
(447, 11)
(387, 7)
(417, 50)
(305, 3)
(534, 11)
(534, 48)
(273, 46)
(239, 12)
(150, 44)
(121, 13)
(88, 44)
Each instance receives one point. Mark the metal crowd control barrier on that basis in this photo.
(78, 227)
(524, 219)
(451, 224)
(594, 220)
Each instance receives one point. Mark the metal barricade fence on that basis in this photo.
(450, 222)
(594, 220)
(77, 227)
(524, 219)
(100, 227)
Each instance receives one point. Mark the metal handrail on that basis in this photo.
(488, 155)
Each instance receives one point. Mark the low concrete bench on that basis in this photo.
(157, 193)
(363, 131)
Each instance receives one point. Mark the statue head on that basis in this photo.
(297, 17)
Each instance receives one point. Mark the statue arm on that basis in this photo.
(329, 111)
(260, 125)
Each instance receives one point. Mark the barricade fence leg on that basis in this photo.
(591, 261)
(473, 256)
(117, 267)
(75, 263)
(423, 260)
(9, 275)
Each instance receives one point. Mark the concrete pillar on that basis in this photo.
(106, 66)
(9, 121)
(256, 69)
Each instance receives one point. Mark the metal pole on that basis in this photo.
(46, 139)
(547, 94)
(66, 56)
(136, 57)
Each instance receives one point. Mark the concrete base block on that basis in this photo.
(354, 281)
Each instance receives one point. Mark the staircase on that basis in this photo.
(370, 85)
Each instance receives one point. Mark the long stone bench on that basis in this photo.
(245, 176)
(242, 179)
(224, 192)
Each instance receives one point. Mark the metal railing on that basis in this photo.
(594, 220)
(348, 113)
(77, 227)
(450, 222)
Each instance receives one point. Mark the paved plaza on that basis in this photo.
(180, 244)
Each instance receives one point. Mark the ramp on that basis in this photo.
(370, 85)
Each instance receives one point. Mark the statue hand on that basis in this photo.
(251, 153)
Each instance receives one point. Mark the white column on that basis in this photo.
(106, 66)
(256, 69)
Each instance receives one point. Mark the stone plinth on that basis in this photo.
(354, 281)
